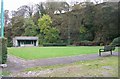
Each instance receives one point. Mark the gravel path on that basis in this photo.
(17, 64)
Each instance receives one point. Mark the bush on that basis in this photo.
(3, 51)
(86, 43)
(9, 42)
(54, 44)
(116, 42)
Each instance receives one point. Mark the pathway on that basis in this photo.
(16, 64)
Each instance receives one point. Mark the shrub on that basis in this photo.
(3, 51)
(116, 42)
(9, 42)
(54, 44)
(86, 43)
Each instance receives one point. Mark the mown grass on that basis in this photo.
(94, 68)
(50, 52)
(117, 49)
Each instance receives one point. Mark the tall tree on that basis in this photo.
(56, 6)
(48, 33)
(17, 25)
(30, 27)
(6, 17)
(25, 10)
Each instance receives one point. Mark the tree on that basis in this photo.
(44, 23)
(52, 36)
(17, 26)
(6, 17)
(25, 10)
(86, 21)
(30, 28)
(47, 32)
(40, 8)
(56, 7)
(106, 22)
(40, 11)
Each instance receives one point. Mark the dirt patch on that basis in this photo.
(68, 71)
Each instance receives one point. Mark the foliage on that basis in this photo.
(30, 28)
(82, 21)
(86, 43)
(44, 23)
(8, 35)
(82, 29)
(54, 44)
(50, 34)
(3, 50)
(56, 7)
(17, 26)
(116, 41)
(106, 22)
(25, 10)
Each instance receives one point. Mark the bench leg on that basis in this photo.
(111, 52)
(99, 53)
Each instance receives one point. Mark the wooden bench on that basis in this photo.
(106, 48)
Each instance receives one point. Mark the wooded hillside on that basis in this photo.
(59, 22)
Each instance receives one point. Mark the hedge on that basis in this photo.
(3, 50)
(86, 43)
(54, 44)
(116, 42)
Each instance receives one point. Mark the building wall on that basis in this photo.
(23, 40)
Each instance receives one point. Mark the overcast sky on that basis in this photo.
(14, 4)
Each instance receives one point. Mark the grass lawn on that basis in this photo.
(101, 67)
(49, 52)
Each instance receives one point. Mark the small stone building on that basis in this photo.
(25, 41)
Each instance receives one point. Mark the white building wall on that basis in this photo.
(37, 43)
(15, 41)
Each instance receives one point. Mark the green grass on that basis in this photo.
(30, 53)
(50, 52)
(93, 68)
(117, 49)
